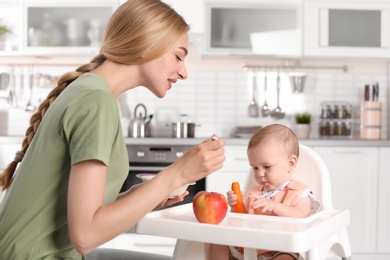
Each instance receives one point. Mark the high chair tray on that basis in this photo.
(246, 230)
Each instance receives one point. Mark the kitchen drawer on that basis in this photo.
(145, 243)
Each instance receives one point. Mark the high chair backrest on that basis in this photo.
(312, 171)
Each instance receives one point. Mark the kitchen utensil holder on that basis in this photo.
(370, 120)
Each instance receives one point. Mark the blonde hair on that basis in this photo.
(280, 134)
(139, 31)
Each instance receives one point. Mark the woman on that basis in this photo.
(63, 200)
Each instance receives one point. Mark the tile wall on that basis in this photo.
(217, 101)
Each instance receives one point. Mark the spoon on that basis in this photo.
(253, 109)
(278, 112)
(265, 111)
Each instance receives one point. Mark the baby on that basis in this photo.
(273, 154)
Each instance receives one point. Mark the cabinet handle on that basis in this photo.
(347, 152)
(154, 245)
(240, 159)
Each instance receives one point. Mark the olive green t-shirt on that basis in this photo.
(82, 124)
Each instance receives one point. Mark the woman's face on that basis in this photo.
(272, 166)
(158, 75)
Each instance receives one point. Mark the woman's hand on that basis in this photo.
(199, 161)
(171, 201)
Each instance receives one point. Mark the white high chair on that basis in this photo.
(312, 171)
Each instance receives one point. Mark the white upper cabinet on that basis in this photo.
(63, 27)
(45, 28)
(192, 12)
(347, 28)
(267, 28)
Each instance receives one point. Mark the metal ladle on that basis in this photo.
(278, 112)
(253, 109)
(265, 111)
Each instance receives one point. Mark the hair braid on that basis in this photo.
(36, 118)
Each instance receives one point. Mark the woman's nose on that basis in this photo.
(183, 72)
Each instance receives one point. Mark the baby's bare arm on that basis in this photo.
(300, 210)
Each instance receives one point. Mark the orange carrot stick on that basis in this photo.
(239, 207)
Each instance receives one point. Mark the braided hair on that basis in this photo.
(138, 31)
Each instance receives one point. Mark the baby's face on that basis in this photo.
(272, 166)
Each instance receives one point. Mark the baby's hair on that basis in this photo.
(278, 133)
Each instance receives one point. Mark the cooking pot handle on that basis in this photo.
(135, 111)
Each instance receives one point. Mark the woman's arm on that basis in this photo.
(91, 223)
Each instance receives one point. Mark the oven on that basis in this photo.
(146, 158)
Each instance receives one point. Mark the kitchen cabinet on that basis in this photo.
(235, 168)
(230, 28)
(347, 28)
(60, 27)
(354, 177)
(142, 243)
(64, 27)
(192, 11)
(383, 201)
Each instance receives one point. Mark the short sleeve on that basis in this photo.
(90, 127)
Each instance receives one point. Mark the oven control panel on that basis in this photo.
(158, 153)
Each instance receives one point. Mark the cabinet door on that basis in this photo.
(192, 12)
(354, 178)
(145, 243)
(235, 168)
(263, 27)
(384, 198)
(341, 29)
(70, 26)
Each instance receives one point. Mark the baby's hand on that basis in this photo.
(231, 198)
(267, 204)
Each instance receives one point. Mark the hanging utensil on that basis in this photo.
(265, 111)
(253, 109)
(278, 112)
(4, 81)
(29, 106)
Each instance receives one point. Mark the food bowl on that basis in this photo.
(145, 177)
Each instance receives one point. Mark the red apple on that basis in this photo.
(209, 207)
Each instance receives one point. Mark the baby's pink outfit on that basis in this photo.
(288, 194)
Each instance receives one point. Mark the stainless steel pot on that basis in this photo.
(183, 130)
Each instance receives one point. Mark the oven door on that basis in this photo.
(155, 168)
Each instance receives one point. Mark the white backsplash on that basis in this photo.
(217, 101)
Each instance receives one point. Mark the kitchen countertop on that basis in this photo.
(334, 142)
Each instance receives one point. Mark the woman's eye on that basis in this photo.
(178, 58)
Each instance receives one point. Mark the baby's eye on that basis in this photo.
(267, 167)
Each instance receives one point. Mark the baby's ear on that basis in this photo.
(292, 161)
